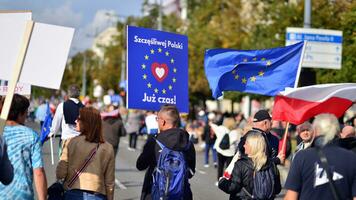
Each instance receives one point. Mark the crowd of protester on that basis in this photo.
(238, 147)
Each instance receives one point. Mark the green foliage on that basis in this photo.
(237, 24)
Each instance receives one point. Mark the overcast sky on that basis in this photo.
(87, 16)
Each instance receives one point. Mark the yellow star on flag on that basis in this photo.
(167, 53)
(253, 78)
(245, 60)
(144, 76)
(170, 87)
(163, 91)
(172, 60)
(244, 80)
(149, 85)
(146, 57)
(175, 70)
(268, 63)
(261, 73)
(152, 51)
(263, 59)
(254, 59)
(174, 80)
(159, 50)
(236, 77)
(156, 90)
(233, 71)
(143, 66)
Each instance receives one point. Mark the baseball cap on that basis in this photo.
(261, 115)
(305, 126)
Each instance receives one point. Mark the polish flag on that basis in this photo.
(296, 105)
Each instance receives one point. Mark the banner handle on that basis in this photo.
(16, 74)
(284, 144)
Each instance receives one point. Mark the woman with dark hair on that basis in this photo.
(24, 152)
(97, 179)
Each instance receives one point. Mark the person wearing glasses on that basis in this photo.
(97, 180)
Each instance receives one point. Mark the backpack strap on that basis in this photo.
(325, 165)
(247, 193)
(159, 143)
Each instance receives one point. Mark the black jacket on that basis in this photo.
(346, 143)
(242, 176)
(209, 137)
(175, 139)
(113, 129)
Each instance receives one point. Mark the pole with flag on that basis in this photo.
(285, 136)
(298, 105)
(266, 71)
(46, 128)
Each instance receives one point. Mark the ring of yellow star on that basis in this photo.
(145, 76)
(252, 78)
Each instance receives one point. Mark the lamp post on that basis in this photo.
(84, 75)
(123, 53)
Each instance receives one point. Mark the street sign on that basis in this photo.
(323, 49)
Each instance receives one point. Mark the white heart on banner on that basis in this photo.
(160, 72)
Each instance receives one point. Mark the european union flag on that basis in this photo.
(47, 123)
(266, 71)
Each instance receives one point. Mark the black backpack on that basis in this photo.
(225, 142)
(264, 183)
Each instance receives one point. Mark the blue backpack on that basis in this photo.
(170, 175)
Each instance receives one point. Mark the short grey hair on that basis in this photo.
(326, 125)
(73, 91)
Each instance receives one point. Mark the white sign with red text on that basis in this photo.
(21, 88)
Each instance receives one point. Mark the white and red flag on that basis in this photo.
(296, 105)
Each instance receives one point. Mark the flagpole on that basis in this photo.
(284, 144)
(51, 143)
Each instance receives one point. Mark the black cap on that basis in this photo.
(261, 115)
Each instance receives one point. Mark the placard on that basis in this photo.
(157, 71)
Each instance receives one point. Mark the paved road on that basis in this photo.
(129, 180)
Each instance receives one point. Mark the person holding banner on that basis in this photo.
(25, 154)
(324, 170)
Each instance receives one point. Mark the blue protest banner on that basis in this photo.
(157, 69)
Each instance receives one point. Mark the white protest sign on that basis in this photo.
(16, 14)
(23, 89)
(46, 54)
(11, 39)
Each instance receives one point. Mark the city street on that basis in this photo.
(129, 180)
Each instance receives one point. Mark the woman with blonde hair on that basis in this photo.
(87, 163)
(241, 183)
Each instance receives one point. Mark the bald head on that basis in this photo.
(347, 131)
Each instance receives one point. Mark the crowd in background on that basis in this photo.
(208, 131)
